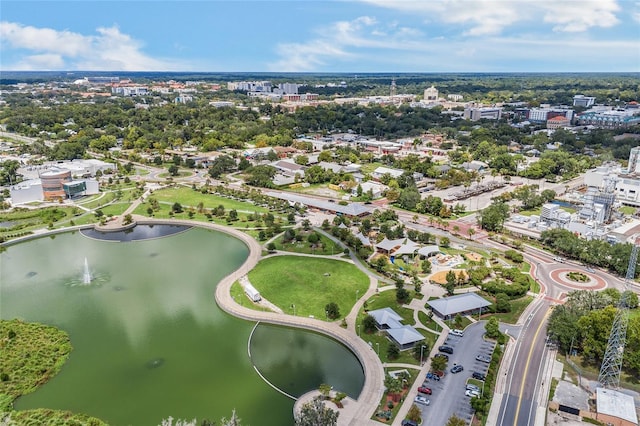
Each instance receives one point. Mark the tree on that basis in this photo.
(221, 165)
(333, 310)
(402, 295)
(438, 363)
(445, 241)
(425, 266)
(325, 390)
(456, 421)
(128, 219)
(471, 232)
(414, 413)
(492, 328)
(492, 218)
(271, 247)
(176, 208)
(315, 413)
(369, 324)
(393, 351)
(173, 170)
(502, 303)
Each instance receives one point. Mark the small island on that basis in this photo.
(32, 354)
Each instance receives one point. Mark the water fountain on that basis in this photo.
(86, 277)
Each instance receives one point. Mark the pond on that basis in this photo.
(149, 340)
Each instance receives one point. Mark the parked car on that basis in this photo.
(421, 400)
(407, 422)
(478, 376)
(433, 376)
(472, 393)
(457, 368)
(459, 333)
(425, 390)
(558, 259)
(483, 358)
(470, 387)
(446, 349)
(445, 356)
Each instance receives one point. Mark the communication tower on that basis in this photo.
(392, 91)
(609, 376)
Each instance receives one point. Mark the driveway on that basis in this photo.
(448, 394)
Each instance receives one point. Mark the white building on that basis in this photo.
(583, 101)
(634, 160)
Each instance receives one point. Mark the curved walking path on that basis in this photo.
(372, 389)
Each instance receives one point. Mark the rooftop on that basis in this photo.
(617, 404)
(458, 303)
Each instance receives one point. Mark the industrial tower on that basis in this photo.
(609, 376)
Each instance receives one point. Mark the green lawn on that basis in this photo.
(328, 246)
(428, 322)
(189, 197)
(627, 210)
(387, 299)
(369, 167)
(115, 209)
(309, 284)
(517, 308)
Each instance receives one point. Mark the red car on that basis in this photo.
(425, 390)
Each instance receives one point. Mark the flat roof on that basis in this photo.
(617, 404)
(351, 209)
(458, 303)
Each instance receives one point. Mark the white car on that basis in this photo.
(421, 400)
(459, 333)
(472, 393)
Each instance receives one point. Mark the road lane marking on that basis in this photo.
(526, 368)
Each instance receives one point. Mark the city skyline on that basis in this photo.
(321, 36)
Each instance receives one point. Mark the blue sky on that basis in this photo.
(322, 36)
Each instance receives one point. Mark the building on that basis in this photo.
(455, 97)
(467, 303)
(542, 115)
(634, 160)
(558, 123)
(378, 173)
(611, 119)
(431, 94)
(615, 408)
(484, 113)
(583, 101)
(405, 336)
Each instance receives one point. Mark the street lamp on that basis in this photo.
(357, 294)
(421, 349)
(358, 330)
(294, 309)
(326, 313)
(378, 347)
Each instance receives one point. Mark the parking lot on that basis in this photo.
(448, 395)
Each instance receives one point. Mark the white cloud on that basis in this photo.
(50, 49)
(489, 17)
(344, 41)
(578, 17)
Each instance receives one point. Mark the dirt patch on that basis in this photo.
(441, 277)
(473, 257)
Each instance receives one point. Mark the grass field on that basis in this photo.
(383, 402)
(309, 284)
(517, 308)
(189, 197)
(428, 322)
(328, 246)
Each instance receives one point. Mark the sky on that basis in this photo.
(350, 36)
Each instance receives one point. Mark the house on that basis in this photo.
(378, 173)
(376, 189)
(289, 168)
(405, 336)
